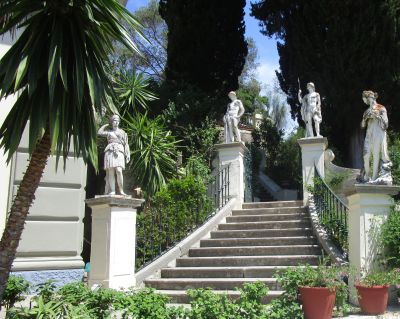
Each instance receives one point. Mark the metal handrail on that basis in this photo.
(156, 236)
(332, 212)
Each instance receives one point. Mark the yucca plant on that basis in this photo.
(154, 152)
(133, 91)
(58, 67)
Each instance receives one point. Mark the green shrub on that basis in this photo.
(16, 287)
(176, 210)
(391, 238)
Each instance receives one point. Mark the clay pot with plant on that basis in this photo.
(317, 288)
(373, 290)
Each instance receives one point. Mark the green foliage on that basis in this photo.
(153, 152)
(198, 168)
(335, 181)
(206, 44)
(322, 49)
(153, 47)
(208, 305)
(200, 140)
(176, 210)
(249, 93)
(394, 150)
(46, 290)
(285, 307)
(282, 155)
(132, 89)
(15, 290)
(381, 278)
(79, 302)
(59, 68)
(391, 238)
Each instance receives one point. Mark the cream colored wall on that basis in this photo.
(5, 170)
(53, 234)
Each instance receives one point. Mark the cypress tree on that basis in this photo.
(206, 44)
(344, 47)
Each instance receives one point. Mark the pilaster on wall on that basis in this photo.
(312, 154)
(369, 206)
(232, 154)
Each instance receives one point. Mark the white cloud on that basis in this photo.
(266, 73)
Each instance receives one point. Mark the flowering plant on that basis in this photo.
(380, 278)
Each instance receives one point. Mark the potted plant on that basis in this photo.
(317, 288)
(373, 290)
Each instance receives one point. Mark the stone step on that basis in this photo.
(282, 224)
(221, 272)
(268, 211)
(235, 261)
(180, 296)
(213, 283)
(266, 241)
(257, 233)
(267, 217)
(255, 251)
(295, 203)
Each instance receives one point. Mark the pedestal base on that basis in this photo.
(369, 206)
(113, 249)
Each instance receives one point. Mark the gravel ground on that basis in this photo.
(391, 313)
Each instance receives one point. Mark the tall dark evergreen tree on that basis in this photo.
(344, 47)
(206, 44)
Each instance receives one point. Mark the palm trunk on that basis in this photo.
(20, 208)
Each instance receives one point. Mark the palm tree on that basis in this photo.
(58, 67)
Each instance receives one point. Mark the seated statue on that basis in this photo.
(116, 154)
(376, 122)
(231, 119)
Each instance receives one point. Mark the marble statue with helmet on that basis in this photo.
(116, 155)
(231, 119)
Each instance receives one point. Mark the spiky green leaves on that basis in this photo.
(58, 67)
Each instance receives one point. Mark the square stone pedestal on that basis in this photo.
(112, 256)
(369, 206)
(312, 155)
(232, 154)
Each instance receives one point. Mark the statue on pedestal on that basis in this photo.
(231, 119)
(376, 122)
(116, 155)
(311, 110)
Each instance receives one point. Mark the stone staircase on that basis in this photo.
(253, 243)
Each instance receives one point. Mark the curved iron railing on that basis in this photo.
(160, 229)
(332, 212)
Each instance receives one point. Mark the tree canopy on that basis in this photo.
(344, 47)
(206, 44)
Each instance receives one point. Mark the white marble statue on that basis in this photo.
(232, 117)
(376, 122)
(116, 155)
(311, 110)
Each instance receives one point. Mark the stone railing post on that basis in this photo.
(112, 256)
(369, 205)
(233, 154)
(312, 153)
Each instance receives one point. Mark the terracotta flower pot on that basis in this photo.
(318, 302)
(373, 300)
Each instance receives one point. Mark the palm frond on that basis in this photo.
(59, 67)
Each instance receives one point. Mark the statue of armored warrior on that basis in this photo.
(116, 155)
(376, 122)
(232, 117)
(311, 110)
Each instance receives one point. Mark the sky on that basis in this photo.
(267, 52)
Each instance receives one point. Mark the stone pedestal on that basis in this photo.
(369, 206)
(232, 154)
(312, 154)
(112, 257)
